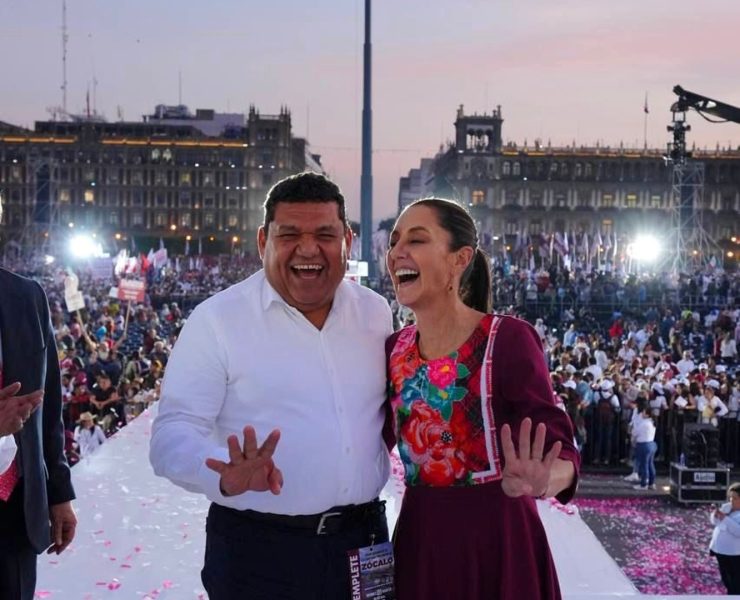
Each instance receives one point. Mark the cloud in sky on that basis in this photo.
(572, 70)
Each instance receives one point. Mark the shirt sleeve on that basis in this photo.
(522, 379)
(7, 452)
(192, 396)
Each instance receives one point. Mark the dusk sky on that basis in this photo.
(562, 70)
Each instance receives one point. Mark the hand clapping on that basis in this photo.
(527, 474)
(251, 469)
(15, 410)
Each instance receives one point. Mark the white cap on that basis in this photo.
(703, 366)
(570, 368)
(713, 383)
(570, 384)
(606, 384)
(649, 372)
(721, 369)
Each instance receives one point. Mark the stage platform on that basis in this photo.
(141, 538)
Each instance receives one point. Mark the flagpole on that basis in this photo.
(646, 111)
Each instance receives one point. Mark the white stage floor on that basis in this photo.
(141, 538)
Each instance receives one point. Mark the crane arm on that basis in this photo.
(702, 104)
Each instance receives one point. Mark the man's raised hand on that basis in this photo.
(250, 467)
(15, 410)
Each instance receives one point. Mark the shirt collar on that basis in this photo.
(270, 296)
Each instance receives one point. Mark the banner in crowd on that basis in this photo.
(131, 290)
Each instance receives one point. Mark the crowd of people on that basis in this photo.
(610, 341)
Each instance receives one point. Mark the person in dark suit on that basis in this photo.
(38, 513)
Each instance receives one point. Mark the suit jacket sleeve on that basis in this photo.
(59, 484)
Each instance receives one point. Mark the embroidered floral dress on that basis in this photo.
(458, 534)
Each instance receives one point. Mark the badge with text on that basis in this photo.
(371, 572)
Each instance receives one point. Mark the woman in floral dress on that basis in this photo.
(466, 388)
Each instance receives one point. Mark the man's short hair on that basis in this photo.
(303, 187)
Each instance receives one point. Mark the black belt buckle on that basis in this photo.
(321, 529)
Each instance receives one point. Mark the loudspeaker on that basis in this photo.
(701, 446)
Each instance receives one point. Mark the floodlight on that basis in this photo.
(645, 248)
(83, 246)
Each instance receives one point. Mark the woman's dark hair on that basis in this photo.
(642, 404)
(475, 283)
(303, 187)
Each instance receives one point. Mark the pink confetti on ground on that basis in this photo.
(660, 546)
(114, 585)
(43, 594)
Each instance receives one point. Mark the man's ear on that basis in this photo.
(261, 240)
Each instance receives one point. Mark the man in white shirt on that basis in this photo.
(685, 365)
(298, 348)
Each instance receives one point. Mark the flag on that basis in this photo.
(200, 246)
(560, 244)
(187, 247)
(645, 108)
(161, 244)
(133, 245)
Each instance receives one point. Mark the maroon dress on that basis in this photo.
(458, 535)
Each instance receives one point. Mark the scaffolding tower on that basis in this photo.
(692, 247)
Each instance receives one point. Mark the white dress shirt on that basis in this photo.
(8, 447)
(246, 357)
(726, 534)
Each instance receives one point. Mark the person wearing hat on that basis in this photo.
(643, 438)
(606, 406)
(88, 434)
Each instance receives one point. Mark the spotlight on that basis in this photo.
(83, 246)
(645, 248)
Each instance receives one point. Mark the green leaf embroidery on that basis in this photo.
(446, 411)
(462, 371)
(458, 393)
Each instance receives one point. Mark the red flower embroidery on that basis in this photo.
(442, 372)
(403, 366)
(435, 445)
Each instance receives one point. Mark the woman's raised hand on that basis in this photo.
(527, 472)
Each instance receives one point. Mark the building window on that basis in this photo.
(553, 168)
(160, 199)
(728, 203)
(88, 175)
(564, 169)
(561, 201)
(15, 174)
(208, 179)
(583, 199)
(266, 179)
(232, 202)
(185, 178)
(185, 219)
(631, 201)
(535, 199)
(506, 168)
(160, 219)
(89, 196)
(137, 197)
(233, 220)
(113, 218)
(607, 227)
(208, 202)
(656, 200)
(607, 200)
(517, 169)
(535, 227)
(578, 169)
(588, 170)
(64, 196)
(160, 177)
(185, 200)
(137, 177)
(478, 197)
(209, 219)
(137, 218)
(512, 227)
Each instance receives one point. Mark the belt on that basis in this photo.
(335, 520)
